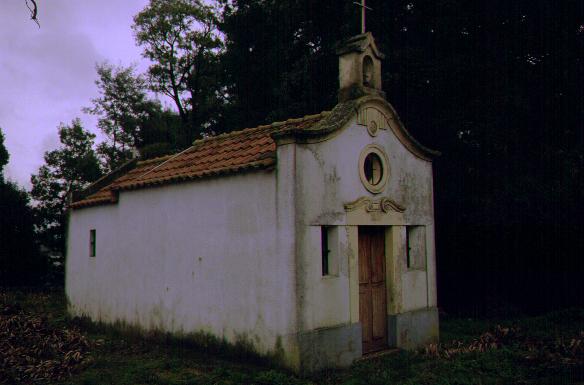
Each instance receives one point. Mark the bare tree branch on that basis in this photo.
(33, 10)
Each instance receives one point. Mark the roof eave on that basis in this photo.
(266, 164)
(104, 181)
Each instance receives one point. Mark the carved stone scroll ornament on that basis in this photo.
(382, 205)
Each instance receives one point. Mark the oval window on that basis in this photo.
(373, 168)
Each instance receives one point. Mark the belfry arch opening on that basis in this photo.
(368, 72)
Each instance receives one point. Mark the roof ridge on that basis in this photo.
(262, 127)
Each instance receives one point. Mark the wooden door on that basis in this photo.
(372, 292)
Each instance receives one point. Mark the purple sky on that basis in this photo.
(47, 75)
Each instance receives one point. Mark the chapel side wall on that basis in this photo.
(330, 178)
(201, 256)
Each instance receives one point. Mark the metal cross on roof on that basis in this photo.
(364, 8)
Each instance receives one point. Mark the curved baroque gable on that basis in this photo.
(377, 114)
(368, 109)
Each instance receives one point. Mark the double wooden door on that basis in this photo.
(372, 289)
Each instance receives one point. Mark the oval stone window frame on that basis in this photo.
(376, 150)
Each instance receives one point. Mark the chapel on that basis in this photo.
(310, 239)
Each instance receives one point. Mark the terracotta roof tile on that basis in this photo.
(233, 152)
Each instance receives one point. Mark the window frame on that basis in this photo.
(384, 164)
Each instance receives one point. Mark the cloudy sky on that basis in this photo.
(47, 74)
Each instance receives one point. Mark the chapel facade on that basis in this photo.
(311, 240)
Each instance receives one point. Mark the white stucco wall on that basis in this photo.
(213, 255)
(240, 256)
(328, 178)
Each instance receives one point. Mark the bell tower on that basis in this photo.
(359, 67)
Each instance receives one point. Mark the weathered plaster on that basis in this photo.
(395, 248)
(329, 347)
(214, 256)
(411, 330)
(240, 256)
(322, 200)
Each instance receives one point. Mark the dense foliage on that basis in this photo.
(495, 86)
(280, 58)
(20, 261)
(4, 156)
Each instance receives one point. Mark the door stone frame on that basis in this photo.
(382, 212)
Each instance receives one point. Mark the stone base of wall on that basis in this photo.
(329, 347)
(413, 329)
(340, 346)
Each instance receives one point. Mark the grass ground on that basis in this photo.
(537, 350)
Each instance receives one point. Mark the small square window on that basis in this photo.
(92, 242)
(416, 247)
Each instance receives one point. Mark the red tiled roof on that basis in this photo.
(233, 152)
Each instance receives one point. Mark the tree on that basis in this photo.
(20, 261)
(124, 110)
(32, 7)
(163, 134)
(180, 38)
(280, 57)
(131, 120)
(70, 168)
(4, 156)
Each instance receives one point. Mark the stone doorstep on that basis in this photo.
(378, 353)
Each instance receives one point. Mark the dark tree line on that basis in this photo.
(20, 261)
(495, 86)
